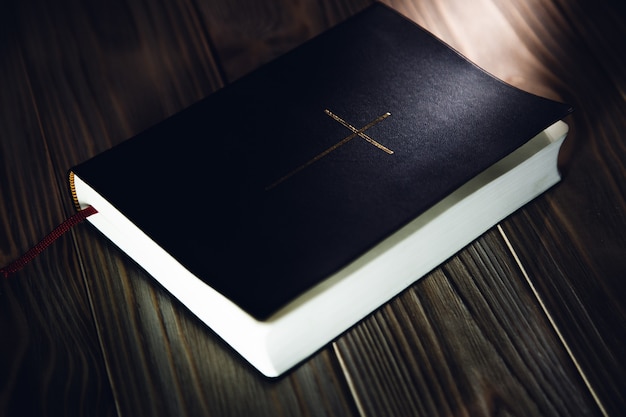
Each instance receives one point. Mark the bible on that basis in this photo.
(288, 205)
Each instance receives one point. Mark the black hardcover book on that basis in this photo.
(271, 206)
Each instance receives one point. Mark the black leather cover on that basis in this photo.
(197, 183)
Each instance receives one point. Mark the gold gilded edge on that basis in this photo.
(73, 190)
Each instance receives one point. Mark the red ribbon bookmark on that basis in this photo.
(70, 222)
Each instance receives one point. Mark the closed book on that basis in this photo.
(291, 203)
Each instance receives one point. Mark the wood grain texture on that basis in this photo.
(50, 362)
(161, 360)
(571, 240)
(577, 263)
(248, 33)
(469, 339)
(165, 362)
(86, 332)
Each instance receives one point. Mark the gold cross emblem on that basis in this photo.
(355, 132)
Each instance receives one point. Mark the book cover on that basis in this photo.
(275, 182)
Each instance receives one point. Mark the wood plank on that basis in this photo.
(105, 71)
(576, 259)
(102, 73)
(469, 339)
(165, 362)
(118, 77)
(50, 361)
(248, 33)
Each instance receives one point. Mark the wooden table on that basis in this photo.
(528, 320)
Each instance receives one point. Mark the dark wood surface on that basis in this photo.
(529, 320)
